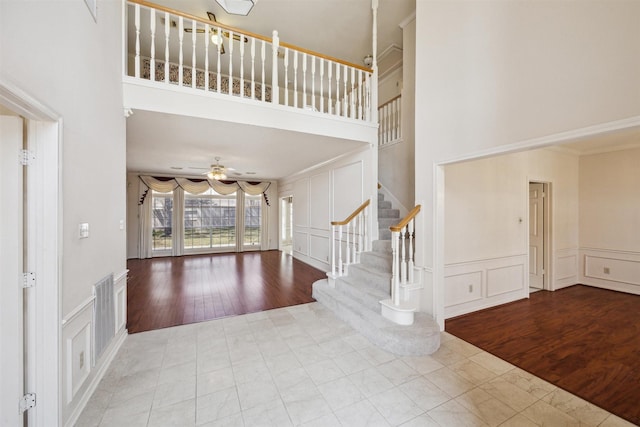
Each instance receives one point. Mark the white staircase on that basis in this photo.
(356, 297)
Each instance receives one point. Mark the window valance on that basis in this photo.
(199, 186)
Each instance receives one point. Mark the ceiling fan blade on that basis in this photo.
(198, 30)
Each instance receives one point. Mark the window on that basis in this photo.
(209, 220)
(252, 220)
(162, 206)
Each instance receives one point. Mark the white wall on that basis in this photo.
(397, 161)
(58, 54)
(328, 193)
(494, 75)
(486, 228)
(610, 220)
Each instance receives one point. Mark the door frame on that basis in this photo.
(44, 253)
(547, 283)
(280, 216)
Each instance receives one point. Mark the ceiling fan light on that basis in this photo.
(216, 38)
(237, 7)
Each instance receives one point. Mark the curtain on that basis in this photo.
(193, 187)
(222, 188)
(144, 218)
(159, 185)
(240, 208)
(177, 236)
(254, 189)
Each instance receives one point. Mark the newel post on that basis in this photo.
(275, 92)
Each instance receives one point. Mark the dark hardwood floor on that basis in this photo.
(582, 339)
(163, 292)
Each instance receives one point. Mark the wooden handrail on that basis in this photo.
(399, 226)
(353, 215)
(390, 101)
(246, 33)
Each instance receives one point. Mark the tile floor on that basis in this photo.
(302, 366)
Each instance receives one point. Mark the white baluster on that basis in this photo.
(313, 82)
(410, 265)
(181, 54)
(206, 34)
(137, 24)
(194, 34)
(353, 93)
(167, 21)
(286, 76)
(339, 250)
(329, 82)
(399, 118)
(403, 263)
(304, 80)
(322, 85)
(230, 62)
(347, 248)
(333, 250)
(360, 235)
(219, 65)
(241, 66)
(395, 297)
(345, 112)
(263, 56)
(360, 91)
(295, 78)
(275, 91)
(368, 107)
(366, 228)
(152, 64)
(337, 89)
(253, 71)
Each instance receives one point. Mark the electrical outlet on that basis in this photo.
(81, 359)
(606, 270)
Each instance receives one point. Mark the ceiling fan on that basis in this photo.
(217, 171)
(216, 38)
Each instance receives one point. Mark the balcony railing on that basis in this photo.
(169, 47)
(390, 119)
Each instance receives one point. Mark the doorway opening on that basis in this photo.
(539, 235)
(286, 224)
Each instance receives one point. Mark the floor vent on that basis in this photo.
(103, 316)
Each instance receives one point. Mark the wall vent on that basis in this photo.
(103, 316)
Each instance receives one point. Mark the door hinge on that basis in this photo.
(26, 157)
(28, 279)
(27, 402)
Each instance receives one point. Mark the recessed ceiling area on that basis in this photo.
(159, 143)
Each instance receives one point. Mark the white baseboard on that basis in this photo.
(99, 374)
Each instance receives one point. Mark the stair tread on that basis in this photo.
(363, 287)
(422, 337)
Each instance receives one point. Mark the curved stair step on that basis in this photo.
(358, 291)
(420, 338)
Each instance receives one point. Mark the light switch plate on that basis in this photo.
(83, 230)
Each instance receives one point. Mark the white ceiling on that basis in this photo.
(339, 28)
(159, 143)
(611, 141)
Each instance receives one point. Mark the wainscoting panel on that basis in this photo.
(502, 280)
(77, 353)
(319, 248)
(565, 269)
(120, 287)
(463, 288)
(476, 285)
(301, 242)
(301, 203)
(319, 217)
(609, 269)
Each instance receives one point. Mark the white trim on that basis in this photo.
(76, 311)
(557, 138)
(120, 276)
(45, 139)
(406, 21)
(99, 374)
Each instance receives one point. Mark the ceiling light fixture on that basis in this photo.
(217, 171)
(237, 7)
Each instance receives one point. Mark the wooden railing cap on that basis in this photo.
(353, 215)
(411, 215)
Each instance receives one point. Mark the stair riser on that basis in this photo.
(383, 264)
(369, 301)
(383, 204)
(388, 213)
(380, 281)
(387, 222)
(384, 234)
(381, 246)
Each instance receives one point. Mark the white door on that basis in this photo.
(536, 235)
(11, 267)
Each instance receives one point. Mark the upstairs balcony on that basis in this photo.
(187, 65)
